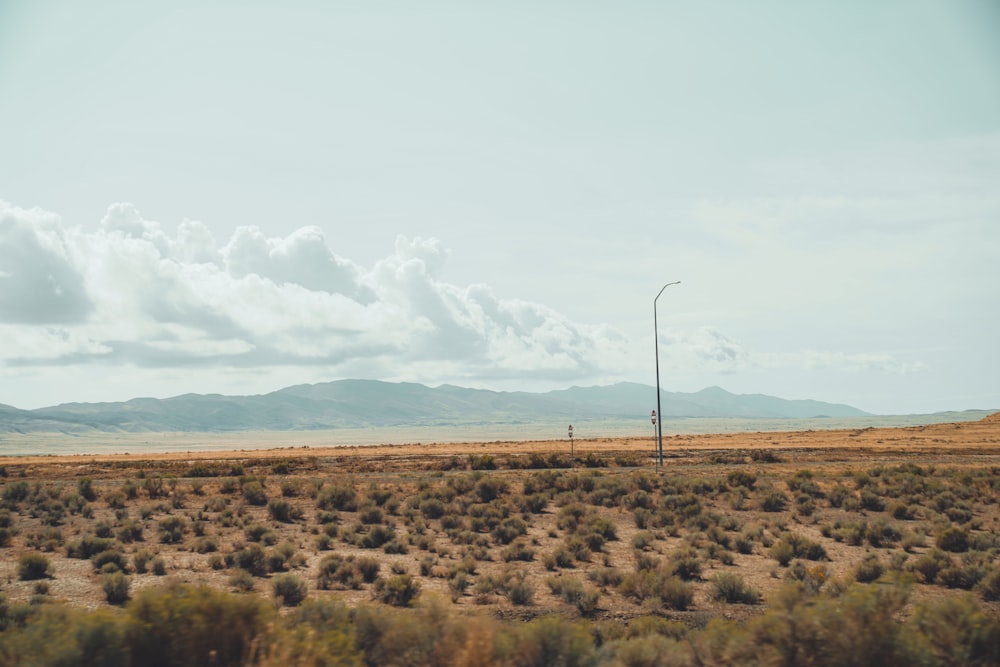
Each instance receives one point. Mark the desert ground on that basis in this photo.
(519, 529)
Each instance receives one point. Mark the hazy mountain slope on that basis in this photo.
(365, 403)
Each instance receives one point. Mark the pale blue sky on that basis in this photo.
(492, 195)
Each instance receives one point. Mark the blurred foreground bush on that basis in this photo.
(182, 625)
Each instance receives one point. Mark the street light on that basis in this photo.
(656, 340)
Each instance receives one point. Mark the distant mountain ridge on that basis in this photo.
(372, 403)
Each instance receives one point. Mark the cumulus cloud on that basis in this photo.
(39, 279)
(131, 292)
(303, 258)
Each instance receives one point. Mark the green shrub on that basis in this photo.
(782, 551)
(398, 590)
(341, 497)
(730, 587)
(534, 503)
(573, 591)
(964, 576)
(672, 592)
(606, 576)
(837, 495)
(792, 545)
(242, 580)
(482, 462)
(957, 632)
(953, 539)
(989, 587)
(110, 561)
(518, 551)
(686, 564)
(251, 558)
(282, 468)
(368, 567)
(336, 570)
(16, 492)
(32, 566)
(259, 532)
(869, 569)
(87, 546)
(871, 501)
(290, 589)
(130, 531)
(281, 510)
(741, 478)
(676, 594)
(550, 641)
(253, 493)
(85, 487)
(140, 559)
(116, 588)
(774, 501)
(811, 578)
(519, 591)
(207, 545)
(371, 514)
(432, 508)
(509, 529)
(183, 625)
(172, 529)
(153, 486)
(489, 489)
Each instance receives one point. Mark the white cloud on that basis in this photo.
(142, 297)
(39, 280)
(708, 349)
(39, 345)
(303, 258)
(148, 298)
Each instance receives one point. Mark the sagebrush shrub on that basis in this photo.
(341, 497)
(32, 566)
(869, 569)
(730, 587)
(116, 588)
(953, 539)
(253, 493)
(290, 589)
(398, 590)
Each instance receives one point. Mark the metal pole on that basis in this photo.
(656, 465)
(656, 340)
(572, 455)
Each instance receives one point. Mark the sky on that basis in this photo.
(233, 197)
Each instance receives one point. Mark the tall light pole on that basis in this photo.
(656, 340)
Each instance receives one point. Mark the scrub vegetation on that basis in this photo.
(735, 556)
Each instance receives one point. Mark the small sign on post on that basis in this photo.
(652, 418)
(572, 457)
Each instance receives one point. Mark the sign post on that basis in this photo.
(652, 418)
(572, 457)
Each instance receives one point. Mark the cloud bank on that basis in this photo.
(130, 293)
(179, 310)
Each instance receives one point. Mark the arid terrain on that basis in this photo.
(516, 527)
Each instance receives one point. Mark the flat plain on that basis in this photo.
(519, 529)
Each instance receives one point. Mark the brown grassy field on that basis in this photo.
(517, 528)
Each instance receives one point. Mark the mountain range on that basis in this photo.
(370, 403)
